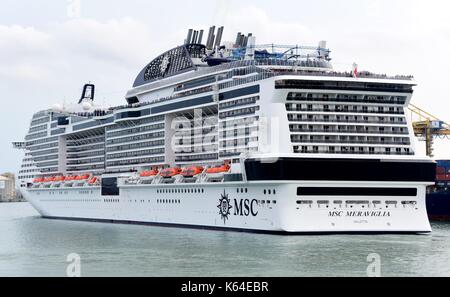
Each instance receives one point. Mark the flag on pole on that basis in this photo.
(355, 70)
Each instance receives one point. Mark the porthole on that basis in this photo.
(270, 192)
(265, 192)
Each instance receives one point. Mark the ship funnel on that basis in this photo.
(219, 37)
(189, 36)
(88, 93)
(194, 38)
(238, 38)
(211, 37)
(200, 37)
(250, 52)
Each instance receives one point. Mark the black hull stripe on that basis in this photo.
(339, 170)
(268, 232)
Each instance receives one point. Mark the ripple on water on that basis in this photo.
(32, 246)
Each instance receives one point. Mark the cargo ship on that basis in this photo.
(438, 195)
(236, 136)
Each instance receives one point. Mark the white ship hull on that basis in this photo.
(203, 206)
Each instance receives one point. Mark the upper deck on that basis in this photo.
(193, 64)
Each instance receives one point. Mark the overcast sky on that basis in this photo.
(49, 48)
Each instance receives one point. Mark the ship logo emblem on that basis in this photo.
(165, 64)
(224, 206)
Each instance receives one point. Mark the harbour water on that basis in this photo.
(33, 246)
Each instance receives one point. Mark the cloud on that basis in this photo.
(19, 46)
(125, 41)
(267, 30)
(77, 46)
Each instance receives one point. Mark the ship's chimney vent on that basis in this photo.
(210, 41)
(189, 36)
(194, 38)
(219, 37)
(200, 37)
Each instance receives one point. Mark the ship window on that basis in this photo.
(304, 202)
(305, 191)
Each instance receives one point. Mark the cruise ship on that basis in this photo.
(235, 136)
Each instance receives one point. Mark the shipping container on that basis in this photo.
(441, 170)
(441, 177)
(443, 163)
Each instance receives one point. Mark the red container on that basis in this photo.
(441, 177)
(440, 170)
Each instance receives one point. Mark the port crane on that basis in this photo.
(428, 127)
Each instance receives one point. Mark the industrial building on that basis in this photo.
(7, 187)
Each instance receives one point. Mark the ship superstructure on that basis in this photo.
(241, 136)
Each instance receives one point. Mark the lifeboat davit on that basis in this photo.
(149, 173)
(191, 171)
(93, 180)
(219, 169)
(170, 172)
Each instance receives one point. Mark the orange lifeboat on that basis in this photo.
(82, 177)
(38, 180)
(59, 179)
(93, 180)
(149, 173)
(70, 178)
(170, 172)
(48, 179)
(218, 169)
(191, 171)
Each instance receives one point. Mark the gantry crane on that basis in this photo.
(428, 127)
